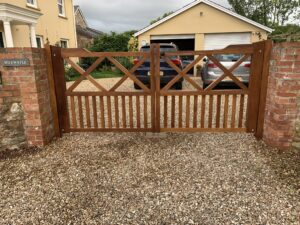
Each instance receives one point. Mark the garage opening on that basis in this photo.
(183, 42)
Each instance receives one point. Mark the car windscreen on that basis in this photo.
(162, 49)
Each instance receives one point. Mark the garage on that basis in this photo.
(220, 41)
(203, 25)
(183, 42)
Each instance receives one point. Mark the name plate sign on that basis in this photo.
(15, 62)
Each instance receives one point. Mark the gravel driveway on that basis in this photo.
(134, 178)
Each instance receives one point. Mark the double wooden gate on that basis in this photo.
(92, 105)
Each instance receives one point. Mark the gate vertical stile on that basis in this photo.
(152, 84)
(157, 87)
(255, 86)
(263, 89)
(52, 91)
(60, 89)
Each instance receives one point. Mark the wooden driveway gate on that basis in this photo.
(97, 108)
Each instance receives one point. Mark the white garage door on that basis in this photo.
(220, 41)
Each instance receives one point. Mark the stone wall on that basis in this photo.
(282, 123)
(25, 110)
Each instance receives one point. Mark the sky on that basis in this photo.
(124, 15)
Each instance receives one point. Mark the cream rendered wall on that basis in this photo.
(50, 25)
(212, 21)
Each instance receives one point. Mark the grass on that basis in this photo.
(100, 75)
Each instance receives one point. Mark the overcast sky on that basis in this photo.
(123, 15)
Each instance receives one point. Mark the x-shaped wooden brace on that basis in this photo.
(86, 74)
(227, 72)
(182, 73)
(128, 74)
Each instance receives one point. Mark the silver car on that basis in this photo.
(210, 72)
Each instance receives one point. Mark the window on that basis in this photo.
(1, 40)
(32, 3)
(39, 41)
(64, 43)
(61, 7)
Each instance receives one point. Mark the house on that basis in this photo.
(32, 23)
(203, 25)
(85, 34)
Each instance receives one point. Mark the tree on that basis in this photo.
(112, 42)
(268, 12)
(289, 32)
(160, 18)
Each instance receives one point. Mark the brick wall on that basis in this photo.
(283, 98)
(29, 88)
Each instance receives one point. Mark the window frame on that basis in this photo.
(3, 38)
(66, 41)
(41, 40)
(34, 5)
(62, 5)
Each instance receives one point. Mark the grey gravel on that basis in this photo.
(133, 178)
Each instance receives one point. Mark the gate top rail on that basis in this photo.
(75, 52)
(232, 49)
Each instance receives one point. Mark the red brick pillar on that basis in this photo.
(29, 86)
(282, 111)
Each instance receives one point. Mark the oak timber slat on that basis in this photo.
(218, 114)
(234, 97)
(109, 112)
(117, 120)
(210, 113)
(173, 112)
(87, 110)
(195, 120)
(165, 111)
(226, 104)
(145, 111)
(130, 112)
(102, 112)
(180, 112)
(241, 115)
(188, 111)
(124, 111)
(73, 112)
(80, 112)
(138, 112)
(203, 103)
(95, 112)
